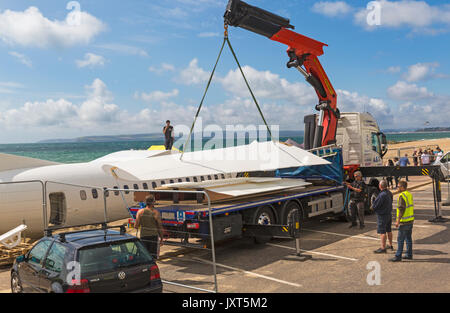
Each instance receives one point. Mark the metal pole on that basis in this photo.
(104, 202)
(44, 205)
(447, 202)
(211, 231)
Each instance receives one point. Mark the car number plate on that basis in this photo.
(168, 215)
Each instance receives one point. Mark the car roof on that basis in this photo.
(92, 237)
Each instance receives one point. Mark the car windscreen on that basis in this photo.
(113, 255)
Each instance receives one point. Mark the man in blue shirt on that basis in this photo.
(382, 206)
(404, 161)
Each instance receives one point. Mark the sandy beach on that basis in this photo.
(409, 147)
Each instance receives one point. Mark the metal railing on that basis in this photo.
(211, 228)
(105, 191)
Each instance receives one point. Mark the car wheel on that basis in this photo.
(16, 285)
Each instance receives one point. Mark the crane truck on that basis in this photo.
(347, 140)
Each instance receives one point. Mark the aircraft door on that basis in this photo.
(58, 208)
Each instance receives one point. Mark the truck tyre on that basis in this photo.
(372, 195)
(288, 209)
(263, 216)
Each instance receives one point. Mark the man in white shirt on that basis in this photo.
(425, 158)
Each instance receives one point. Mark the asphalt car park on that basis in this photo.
(342, 260)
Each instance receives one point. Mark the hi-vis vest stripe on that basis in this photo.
(408, 216)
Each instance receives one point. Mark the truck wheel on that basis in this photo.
(263, 216)
(373, 194)
(288, 210)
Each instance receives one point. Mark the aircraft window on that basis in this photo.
(188, 179)
(195, 179)
(106, 192)
(116, 193)
(94, 193)
(202, 178)
(126, 187)
(145, 186)
(58, 208)
(135, 186)
(83, 195)
(153, 185)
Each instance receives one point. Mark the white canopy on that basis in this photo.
(257, 156)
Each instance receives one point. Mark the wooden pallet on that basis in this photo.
(7, 256)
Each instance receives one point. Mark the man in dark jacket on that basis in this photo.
(357, 200)
(382, 206)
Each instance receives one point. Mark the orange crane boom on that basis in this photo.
(303, 55)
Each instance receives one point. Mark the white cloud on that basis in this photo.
(158, 96)
(394, 69)
(414, 14)
(420, 71)
(208, 34)
(21, 58)
(404, 91)
(124, 49)
(163, 68)
(267, 85)
(9, 87)
(332, 9)
(31, 29)
(193, 74)
(91, 60)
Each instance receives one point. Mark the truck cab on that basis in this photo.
(363, 144)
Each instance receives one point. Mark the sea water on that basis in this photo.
(74, 152)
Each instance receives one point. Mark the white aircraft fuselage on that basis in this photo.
(22, 203)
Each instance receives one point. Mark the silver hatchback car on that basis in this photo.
(444, 163)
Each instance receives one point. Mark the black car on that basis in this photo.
(99, 260)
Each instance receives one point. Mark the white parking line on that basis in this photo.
(314, 252)
(247, 272)
(343, 235)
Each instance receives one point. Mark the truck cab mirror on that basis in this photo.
(383, 140)
(20, 259)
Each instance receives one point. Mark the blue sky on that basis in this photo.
(127, 66)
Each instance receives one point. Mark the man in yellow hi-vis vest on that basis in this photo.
(405, 221)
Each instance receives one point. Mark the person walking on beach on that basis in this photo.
(149, 220)
(169, 135)
(382, 206)
(404, 222)
(404, 161)
(390, 178)
(425, 158)
(357, 200)
(396, 178)
(415, 158)
(419, 155)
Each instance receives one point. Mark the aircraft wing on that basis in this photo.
(257, 156)
(224, 189)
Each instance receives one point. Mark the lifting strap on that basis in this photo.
(225, 40)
